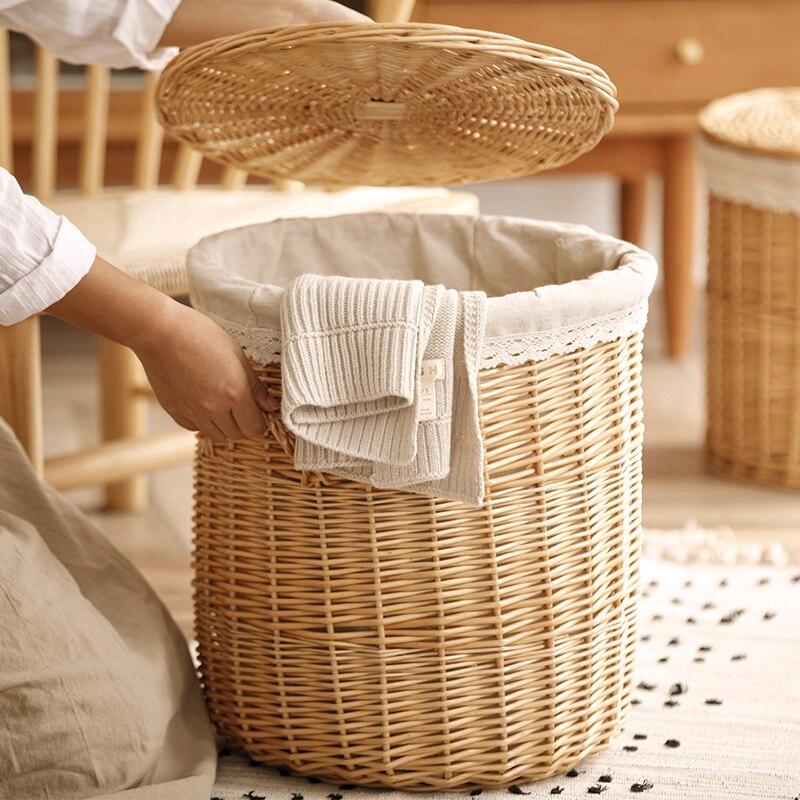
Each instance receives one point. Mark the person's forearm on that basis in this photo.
(113, 305)
(197, 21)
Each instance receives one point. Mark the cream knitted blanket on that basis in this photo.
(377, 375)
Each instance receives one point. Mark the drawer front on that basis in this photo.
(681, 52)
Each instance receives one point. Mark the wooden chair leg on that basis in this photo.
(123, 416)
(21, 385)
(633, 210)
(679, 241)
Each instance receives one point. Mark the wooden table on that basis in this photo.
(668, 58)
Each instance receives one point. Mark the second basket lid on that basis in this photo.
(385, 105)
(763, 121)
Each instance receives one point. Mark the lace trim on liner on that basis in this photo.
(263, 345)
(520, 348)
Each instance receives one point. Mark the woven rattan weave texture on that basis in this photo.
(410, 104)
(753, 344)
(765, 121)
(388, 639)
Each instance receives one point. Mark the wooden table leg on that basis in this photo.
(679, 241)
(21, 385)
(633, 209)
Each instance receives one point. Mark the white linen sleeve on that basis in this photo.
(116, 33)
(42, 255)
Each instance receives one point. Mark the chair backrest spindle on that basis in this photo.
(187, 168)
(233, 178)
(149, 138)
(45, 124)
(93, 148)
(390, 10)
(6, 151)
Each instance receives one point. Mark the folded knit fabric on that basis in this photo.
(373, 371)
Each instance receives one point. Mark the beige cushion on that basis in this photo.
(148, 233)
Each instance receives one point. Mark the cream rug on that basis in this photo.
(716, 712)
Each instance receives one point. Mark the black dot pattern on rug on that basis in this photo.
(644, 786)
(676, 601)
(573, 773)
(713, 701)
(768, 615)
(515, 789)
(699, 660)
(334, 796)
(672, 743)
(671, 703)
(639, 736)
(708, 606)
(630, 748)
(475, 792)
(704, 648)
(663, 660)
(596, 789)
(645, 638)
(674, 641)
(738, 657)
(604, 779)
(678, 688)
(297, 796)
(557, 790)
(691, 621)
(728, 619)
(251, 795)
(658, 617)
(646, 687)
(796, 578)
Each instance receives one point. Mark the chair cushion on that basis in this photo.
(148, 233)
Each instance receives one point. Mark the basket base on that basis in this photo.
(754, 474)
(459, 783)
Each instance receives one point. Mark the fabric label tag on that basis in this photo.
(432, 371)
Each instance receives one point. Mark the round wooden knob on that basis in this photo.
(690, 51)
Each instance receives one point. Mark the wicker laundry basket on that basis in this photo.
(752, 153)
(383, 638)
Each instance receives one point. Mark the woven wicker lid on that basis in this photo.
(385, 104)
(762, 121)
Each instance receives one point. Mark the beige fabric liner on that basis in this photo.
(543, 278)
(97, 689)
(148, 233)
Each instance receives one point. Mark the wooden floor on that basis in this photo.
(676, 488)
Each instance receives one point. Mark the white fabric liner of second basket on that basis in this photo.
(771, 183)
(553, 288)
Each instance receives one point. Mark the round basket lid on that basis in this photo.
(384, 105)
(763, 121)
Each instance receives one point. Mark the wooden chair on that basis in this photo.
(146, 230)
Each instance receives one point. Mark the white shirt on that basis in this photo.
(43, 255)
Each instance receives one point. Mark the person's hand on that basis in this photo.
(202, 378)
(197, 21)
(198, 373)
